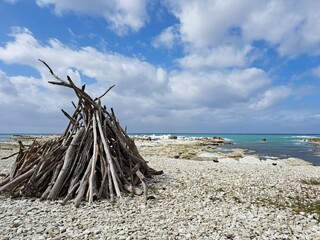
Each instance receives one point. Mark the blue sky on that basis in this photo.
(250, 66)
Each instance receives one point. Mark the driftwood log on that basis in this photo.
(93, 159)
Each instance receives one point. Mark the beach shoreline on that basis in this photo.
(239, 196)
(205, 149)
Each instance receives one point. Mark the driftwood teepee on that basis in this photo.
(93, 159)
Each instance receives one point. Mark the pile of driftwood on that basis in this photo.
(93, 159)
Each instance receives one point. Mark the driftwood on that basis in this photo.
(93, 159)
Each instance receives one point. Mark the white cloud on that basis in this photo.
(316, 72)
(209, 32)
(137, 83)
(205, 23)
(167, 38)
(145, 96)
(121, 15)
(220, 57)
(218, 89)
(129, 74)
(27, 106)
(7, 90)
(210, 29)
(291, 26)
(272, 97)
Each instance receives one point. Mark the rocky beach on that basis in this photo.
(204, 193)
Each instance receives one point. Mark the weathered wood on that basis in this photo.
(69, 195)
(104, 93)
(52, 180)
(145, 188)
(109, 158)
(5, 181)
(54, 193)
(72, 120)
(83, 186)
(104, 172)
(111, 194)
(15, 182)
(94, 158)
(10, 156)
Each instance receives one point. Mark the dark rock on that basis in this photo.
(314, 140)
(173, 137)
(214, 141)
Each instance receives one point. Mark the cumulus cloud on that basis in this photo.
(145, 95)
(211, 29)
(218, 89)
(7, 90)
(205, 23)
(224, 56)
(216, 80)
(167, 38)
(130, 74)
(28, 107)
(135, 81)
(210, 36)
(122, 15)
(272, 97)
(289, 25)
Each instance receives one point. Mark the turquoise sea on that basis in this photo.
(277, 145)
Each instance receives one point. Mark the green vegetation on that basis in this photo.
(301, 205)
(220, 190)
(312, 181)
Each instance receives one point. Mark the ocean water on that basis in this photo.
(277, 145)
(5, 137)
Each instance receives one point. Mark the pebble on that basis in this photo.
(203, 200)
